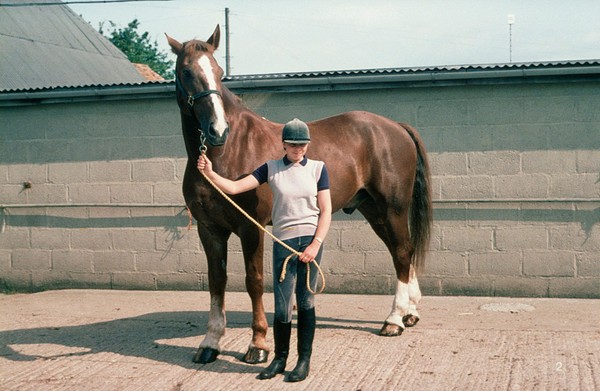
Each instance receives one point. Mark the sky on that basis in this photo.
(280, 36)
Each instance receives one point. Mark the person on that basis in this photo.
(301, 218)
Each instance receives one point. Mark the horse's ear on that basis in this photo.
(176, 47)
(215, 37)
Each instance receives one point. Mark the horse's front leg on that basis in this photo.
(252, 246)
(214, 242)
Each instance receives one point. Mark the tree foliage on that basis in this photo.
(139, 48)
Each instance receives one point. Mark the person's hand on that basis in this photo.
(310, 252)
(204, 164)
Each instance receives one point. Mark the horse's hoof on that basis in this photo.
(255, 355)
(390, 330)
(410, 320)
(205, 355)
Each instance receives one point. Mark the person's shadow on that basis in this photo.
(142, 336)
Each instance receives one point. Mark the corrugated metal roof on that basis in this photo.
(50, 46)
(416, 70)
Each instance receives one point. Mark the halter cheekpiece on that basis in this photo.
(192, 98)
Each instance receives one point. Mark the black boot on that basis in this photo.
(281, 334)
(306, 334)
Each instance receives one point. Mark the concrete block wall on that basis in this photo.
(94, 193)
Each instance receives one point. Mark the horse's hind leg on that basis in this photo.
(414, 296)
(215, 247)
(393, 230)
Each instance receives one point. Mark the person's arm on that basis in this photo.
(323, 224)
(227, 185)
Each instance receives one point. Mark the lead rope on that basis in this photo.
(293, 251)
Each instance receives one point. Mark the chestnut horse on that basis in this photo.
(376, 165)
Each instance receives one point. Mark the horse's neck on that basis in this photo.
(252, 139)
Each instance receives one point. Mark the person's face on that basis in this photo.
(295, 152)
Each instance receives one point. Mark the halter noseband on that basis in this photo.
(192, 98)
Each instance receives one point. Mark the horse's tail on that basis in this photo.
(421, 212)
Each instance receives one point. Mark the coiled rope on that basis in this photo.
(292, 250)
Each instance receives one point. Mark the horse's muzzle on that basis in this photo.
(215, 137)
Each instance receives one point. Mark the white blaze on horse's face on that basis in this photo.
(220, 124)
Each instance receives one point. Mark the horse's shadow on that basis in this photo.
(146, 336)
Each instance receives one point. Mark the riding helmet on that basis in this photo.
(296, 132)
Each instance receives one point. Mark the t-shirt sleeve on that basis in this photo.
(261, 174)
(323, 182)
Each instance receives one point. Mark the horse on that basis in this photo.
(376, 166)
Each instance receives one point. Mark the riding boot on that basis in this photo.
(281, 334)
(306, 334)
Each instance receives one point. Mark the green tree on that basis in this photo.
(138, 48)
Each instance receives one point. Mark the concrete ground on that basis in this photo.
(134, 340)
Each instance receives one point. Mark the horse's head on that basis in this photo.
(199, 89)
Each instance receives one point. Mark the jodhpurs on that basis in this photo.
(295, 278)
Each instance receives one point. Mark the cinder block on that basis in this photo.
(179, 281)
(168, 193)
(110, 171)
(446, 263)
(88, 193)
(13, 238)
(195, 262)
(91, 239)
(521, 186)
(44, 280)
(162, 170)
(136, 280)
(496, 111)
(338, 262)
(574, 237)
(549, 263)
(588, 161)
(448, 163)
(522, 237)
(584, 288)
(134, 239)
(468, 286)
(113, 261)
(467, 187)
(447, 113)
(179, 238)
(364, 284)
(495, 263)
(376, 262)
(361, 239)
(31, 259)
(50, 239)
(520, 287)
(588, 264)
(5, 261)
(157, 262)
(575, 186)
(549, 162)
(20, 173)
(43, 193)
(467, 239)
(494, 163)
(16, 280)
(72, 261)
(549, 109)
(235, 283)
(430, 286)
(70, 172)
(235, 263)
(137, 193)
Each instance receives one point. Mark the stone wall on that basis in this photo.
(91, 192)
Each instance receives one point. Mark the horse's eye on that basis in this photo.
(187, 73)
